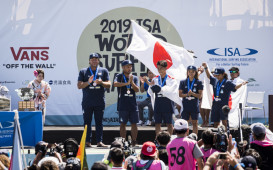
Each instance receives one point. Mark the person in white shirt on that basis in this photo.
(234, 74)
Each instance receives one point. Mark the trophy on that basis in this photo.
(4, 99)
(25, 94)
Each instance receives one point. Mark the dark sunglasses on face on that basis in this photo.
(233, 71)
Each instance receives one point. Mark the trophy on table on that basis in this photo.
(25, 94)
(4, 99)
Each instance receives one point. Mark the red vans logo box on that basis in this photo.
(30, 53)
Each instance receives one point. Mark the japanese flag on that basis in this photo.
(149, 50)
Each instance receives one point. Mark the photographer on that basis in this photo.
(220, 159)
(117, 143)
(54, 154)
(71, 147)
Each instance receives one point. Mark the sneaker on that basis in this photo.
(148, 123)
(140, 123)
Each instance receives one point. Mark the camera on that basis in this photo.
(55, 148)
(221, 139)
(127, 146)
(222, 156)
(71, 147)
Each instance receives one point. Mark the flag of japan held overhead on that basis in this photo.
(149, 49)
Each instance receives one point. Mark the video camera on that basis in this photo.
(43, 146)
(71, 147)
(127, 146)
(221, 143)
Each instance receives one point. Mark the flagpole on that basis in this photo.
(16, 118)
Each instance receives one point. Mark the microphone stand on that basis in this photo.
(240, 121)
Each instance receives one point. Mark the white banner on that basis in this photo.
(58, 36)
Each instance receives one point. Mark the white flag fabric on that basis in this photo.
(238, 97)
(149, 49)
(170, 90)
(16, 162)
(207, 96)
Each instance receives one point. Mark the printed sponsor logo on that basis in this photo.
(232, 52)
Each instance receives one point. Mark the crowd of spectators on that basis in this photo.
(179, 151)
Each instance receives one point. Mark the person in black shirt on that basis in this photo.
(128, 86)
(93, 80)
(222, 88)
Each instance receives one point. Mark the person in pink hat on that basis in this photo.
(147, 158)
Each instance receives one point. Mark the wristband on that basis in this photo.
(236, 165)
(206, 68)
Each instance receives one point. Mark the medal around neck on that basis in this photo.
(94, 84)
(128, 91)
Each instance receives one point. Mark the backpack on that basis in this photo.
(148, 164)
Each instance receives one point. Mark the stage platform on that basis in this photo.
(57, 134)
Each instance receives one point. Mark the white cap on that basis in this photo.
(180, 124)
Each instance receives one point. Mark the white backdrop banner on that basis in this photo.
(58, 36)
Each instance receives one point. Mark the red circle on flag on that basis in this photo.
(161, 54)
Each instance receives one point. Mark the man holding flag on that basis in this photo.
(149, 50)
(161, 86)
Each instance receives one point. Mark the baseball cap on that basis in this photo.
(126, 62)
(148, 149)
(258, 129)
(191, 68)
(180, 124)
(248, 162)
(219, 70)
(234, 69)
(94, 55)
(117, 144)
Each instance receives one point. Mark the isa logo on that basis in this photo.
(232, 51)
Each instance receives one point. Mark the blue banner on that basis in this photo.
(31, 128)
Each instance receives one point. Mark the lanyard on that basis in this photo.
(159, 80)
(96, 73)
(128, 86)
(192, 83)
(218, 87)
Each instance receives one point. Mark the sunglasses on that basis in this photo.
(233, 71)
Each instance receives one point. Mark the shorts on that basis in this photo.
(186, 115)
(132, 116)
(165, 117)
(217, 114)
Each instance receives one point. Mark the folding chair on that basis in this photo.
(255, 98)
